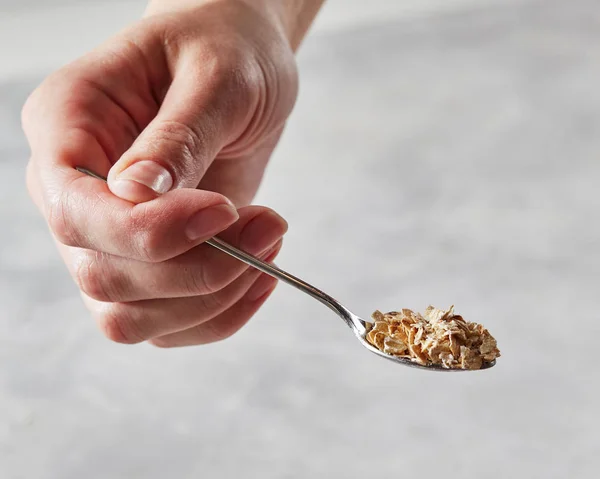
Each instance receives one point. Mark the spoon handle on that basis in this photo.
(275, 272)
(284, 276)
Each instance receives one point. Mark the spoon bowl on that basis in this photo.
(359, 327)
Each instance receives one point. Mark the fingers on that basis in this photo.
(139, 321)
(225, 324)
(67, 125)
(202, 270)
(111, 93)
(207, 106)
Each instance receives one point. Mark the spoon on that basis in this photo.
(355, 323)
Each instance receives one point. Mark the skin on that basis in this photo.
(181, 111)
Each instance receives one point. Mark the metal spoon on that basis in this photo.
(355, 323)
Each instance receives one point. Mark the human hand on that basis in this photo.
(181, 111)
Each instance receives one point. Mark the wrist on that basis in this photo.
(291, 17)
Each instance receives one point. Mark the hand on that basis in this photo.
(182, 112)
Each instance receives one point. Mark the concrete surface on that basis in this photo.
(449, 158)
(69, 28)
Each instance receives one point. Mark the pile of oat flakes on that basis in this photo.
(436, 337)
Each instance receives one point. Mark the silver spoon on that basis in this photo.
(355, 323)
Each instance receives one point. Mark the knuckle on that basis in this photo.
(227, 68)
(199, 282)
(92, 278)
(236, 81)
(233, 73)
(29, 107)
(222, 330)
(44, 93)
(58, 220)
(118, 325)
(186, 140)
(215, 302)
(148, 246)
(147, 237)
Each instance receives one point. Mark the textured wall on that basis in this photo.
(451, 158)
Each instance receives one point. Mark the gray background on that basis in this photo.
(444, 158)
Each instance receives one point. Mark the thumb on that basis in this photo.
(202, 112)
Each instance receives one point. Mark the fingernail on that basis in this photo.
(263, 286)
(146, 173)
(270, 253)
(210, 221)
(267, 256)
(262, 232)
